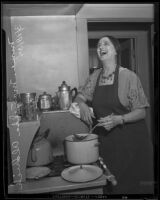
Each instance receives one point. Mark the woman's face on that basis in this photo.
(105, 49)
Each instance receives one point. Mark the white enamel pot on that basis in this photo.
(82, 151)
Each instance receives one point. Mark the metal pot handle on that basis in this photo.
(33, 155)
(110, 177)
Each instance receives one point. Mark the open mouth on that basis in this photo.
(102, 53)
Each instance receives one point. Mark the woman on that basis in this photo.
(119, 105)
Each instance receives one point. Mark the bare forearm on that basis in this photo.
(80, 98)
(85, 113)
(111, 121)
(134, 115)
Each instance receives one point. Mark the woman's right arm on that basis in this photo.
(86, 93)
(85, 112)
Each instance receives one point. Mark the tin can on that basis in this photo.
(28, 109)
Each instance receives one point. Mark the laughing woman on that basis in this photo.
(119, 105)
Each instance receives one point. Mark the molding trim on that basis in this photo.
(120, 20)
(118, 12)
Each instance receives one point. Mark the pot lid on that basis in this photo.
(37, 172)
(45, 95)
(64, 87)
(81, 173)
(90, 136)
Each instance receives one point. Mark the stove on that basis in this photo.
(60, 163)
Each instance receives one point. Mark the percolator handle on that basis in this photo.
(76, 92)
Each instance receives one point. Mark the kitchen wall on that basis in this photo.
(51, 47)
(45, 52)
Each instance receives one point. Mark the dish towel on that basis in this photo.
(75, 110)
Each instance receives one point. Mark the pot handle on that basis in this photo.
(74, 93)
(46, 133)
(33, 155)
(97, 144)
(110, 177)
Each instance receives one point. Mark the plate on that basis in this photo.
(37, 172)
(82, 173)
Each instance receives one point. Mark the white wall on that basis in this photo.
(47, 52)
(55, 48)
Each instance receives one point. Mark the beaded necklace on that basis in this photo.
(107, 78)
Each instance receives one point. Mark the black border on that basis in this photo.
(156, 118)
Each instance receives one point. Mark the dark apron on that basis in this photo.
(127, 150)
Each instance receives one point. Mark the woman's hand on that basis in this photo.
(110, 121)
(85, 113)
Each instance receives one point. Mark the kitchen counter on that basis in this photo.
(58, 185)
(61, 124)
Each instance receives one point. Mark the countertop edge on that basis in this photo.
(38, 187)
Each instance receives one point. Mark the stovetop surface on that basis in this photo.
(59, 164)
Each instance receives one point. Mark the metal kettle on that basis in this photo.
(66, 96)
(41, 151)
(45, 102)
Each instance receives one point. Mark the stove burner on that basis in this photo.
(58, 165)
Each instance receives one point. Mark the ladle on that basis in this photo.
(81, 137)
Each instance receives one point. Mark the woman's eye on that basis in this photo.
(102, 44)
(105, 43)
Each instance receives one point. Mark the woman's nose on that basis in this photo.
(102, 47)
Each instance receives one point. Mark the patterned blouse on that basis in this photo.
(130, 91)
